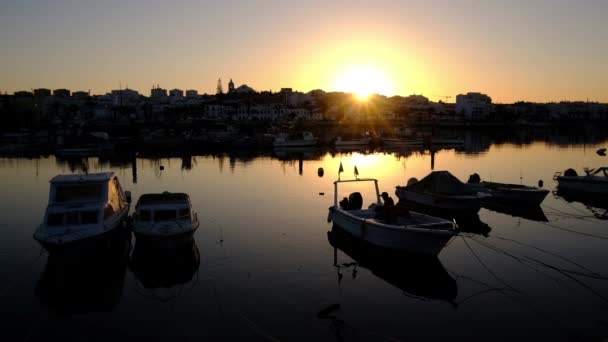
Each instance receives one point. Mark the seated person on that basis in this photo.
(345, 204)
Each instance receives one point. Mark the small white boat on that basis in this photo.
(398, 142)
(441, 190)
(351, 142)
(304, 140)
(595, 181)
(417, 233)
(516, 193)
(164, 215)
(82, 206)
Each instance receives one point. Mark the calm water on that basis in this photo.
(262, 267)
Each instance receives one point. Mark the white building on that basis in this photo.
(176, 93)
(125, 97)
(191, 93)
(473, 106)
(158, 93)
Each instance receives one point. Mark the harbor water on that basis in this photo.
(265, 264)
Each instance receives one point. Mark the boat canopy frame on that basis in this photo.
(378, 197)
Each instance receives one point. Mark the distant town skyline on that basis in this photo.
(538, 51)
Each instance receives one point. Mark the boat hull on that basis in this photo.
(583, 184)
(160, 239)
(460, 203)
(423, 241)
(83, 237)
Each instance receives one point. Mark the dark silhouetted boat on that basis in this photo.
(413, 233)
(82, 207)
(164, 216)
(595, 181)
(508, 193)
(441, 190)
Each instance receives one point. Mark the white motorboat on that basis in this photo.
(441, 190)
(164, 215)
(414, 233)
(83, 206)
(351, 142)
(304, 139)
(504, 192)
(595, 181)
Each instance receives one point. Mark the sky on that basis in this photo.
(534, 50)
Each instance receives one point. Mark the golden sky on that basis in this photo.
(542, 50)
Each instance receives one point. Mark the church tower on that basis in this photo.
(230, 87)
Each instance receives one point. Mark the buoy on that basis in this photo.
(321, 194)
(162, 167)
(320, 172)
(540, 183)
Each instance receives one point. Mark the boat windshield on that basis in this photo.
(72, 218)
(164, 215)
(78, 193)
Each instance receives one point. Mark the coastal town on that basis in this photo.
(242, 117)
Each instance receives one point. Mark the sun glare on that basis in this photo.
(364, 81)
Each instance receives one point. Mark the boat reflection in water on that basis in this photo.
(81, 280)
(528, 212)
(417, 275)
(163, 271)
(595, 203)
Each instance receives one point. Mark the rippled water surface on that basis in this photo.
(263, 266)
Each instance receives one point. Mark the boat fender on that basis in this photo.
(320, 172)
(330, 215)
(540, 183)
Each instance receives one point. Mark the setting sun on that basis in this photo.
(364, 80)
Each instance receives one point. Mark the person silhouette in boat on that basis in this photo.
(345, 204)
(387, 211)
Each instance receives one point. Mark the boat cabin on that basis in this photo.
(163, 207)
(83, 206)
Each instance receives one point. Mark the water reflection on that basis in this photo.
(89, 277)
(416, 275)
(162, 273)
(532, 213)
(596, 204)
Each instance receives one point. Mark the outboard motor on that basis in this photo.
(570, 173)
(355, 201)
(474, 179)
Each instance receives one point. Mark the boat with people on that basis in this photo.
(505, 192)
(442, 190)
(160, 216)
(303, 139)
(83, 207)
(383, 224)
(595, 181)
